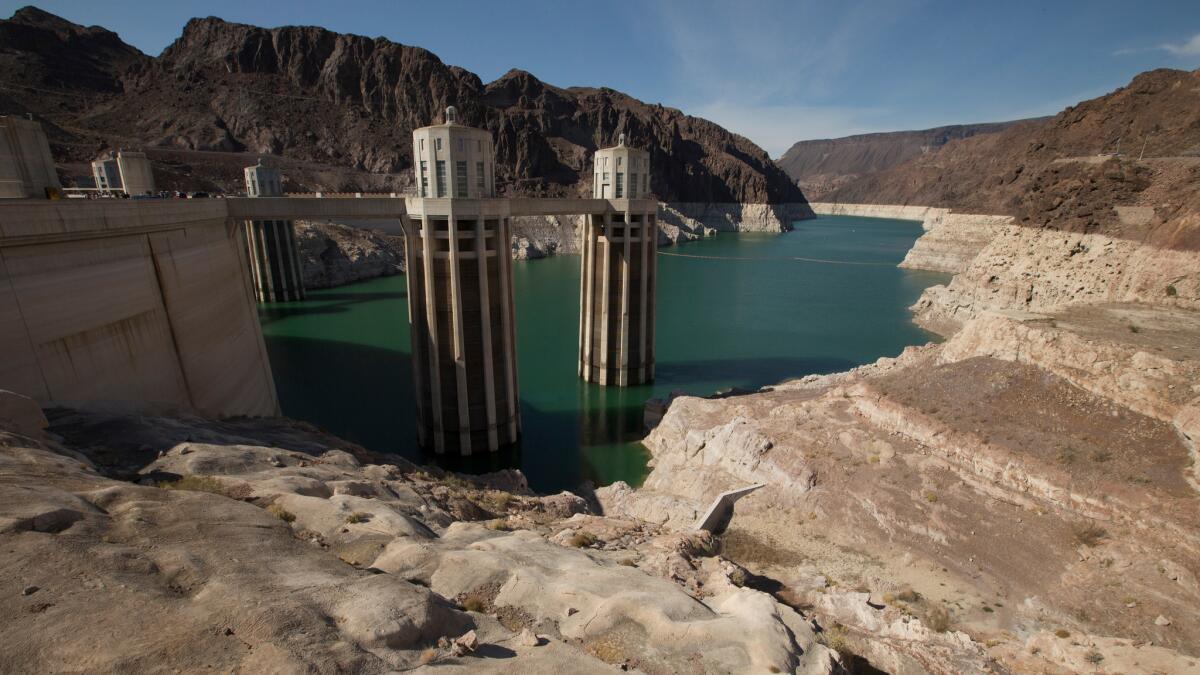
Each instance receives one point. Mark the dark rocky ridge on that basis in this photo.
(1060, 172)
(338, 110)
(821, 166)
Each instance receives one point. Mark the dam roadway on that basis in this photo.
(149, 302)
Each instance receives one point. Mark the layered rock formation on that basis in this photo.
(1026, 490)
(985, 488)
(267, 546)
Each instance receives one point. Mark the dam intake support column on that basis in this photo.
(460, 294)
(271, 244)
(619, 273)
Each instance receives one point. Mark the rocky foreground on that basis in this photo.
(173, 543)
(1029, 488)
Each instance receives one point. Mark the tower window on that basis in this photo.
(424, 178)
(479, 179)
(440, 167)
(437, 144)
(620, 184)
(633, 186)
(460, 179)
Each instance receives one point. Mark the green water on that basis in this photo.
(744, 315)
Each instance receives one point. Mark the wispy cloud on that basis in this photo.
(776, 127)
(760, 69)
(1182, 49)
(1189, 48)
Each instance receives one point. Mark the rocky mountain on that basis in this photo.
(1139, 145)
(337, 111)
(821, 166)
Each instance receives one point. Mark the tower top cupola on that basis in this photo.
(263, 181)
(452, 160)
(621, 172)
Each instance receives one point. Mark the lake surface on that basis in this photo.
(736, 310)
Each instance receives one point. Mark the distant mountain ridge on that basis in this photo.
(1064, 172)
(821, 166)
(338, 110)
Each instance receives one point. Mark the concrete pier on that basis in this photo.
(271, 244)
(460, 295)
(619, 273)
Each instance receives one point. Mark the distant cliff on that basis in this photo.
(338, 110)
(821, 166)
(1126, 165)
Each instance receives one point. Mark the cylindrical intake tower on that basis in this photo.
(460, 302)
(274, 255)
(619, 272)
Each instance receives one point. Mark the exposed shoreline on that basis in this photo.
(903, 459)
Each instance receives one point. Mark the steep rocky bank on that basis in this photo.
(267, 546)
(334, 254)
(1026, 494)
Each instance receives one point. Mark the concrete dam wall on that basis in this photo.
(146, 302)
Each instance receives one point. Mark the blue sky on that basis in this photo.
(771, 70)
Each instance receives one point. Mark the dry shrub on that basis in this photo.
(582, 539)
(749, 548)
(197, 484)
(1088, 534)
(281, 513)
(937, 619)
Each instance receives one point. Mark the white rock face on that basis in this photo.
(952, 241)
(897, 211)
(1036, 270)
(302, 556)
(540, 236)
(732, 217)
